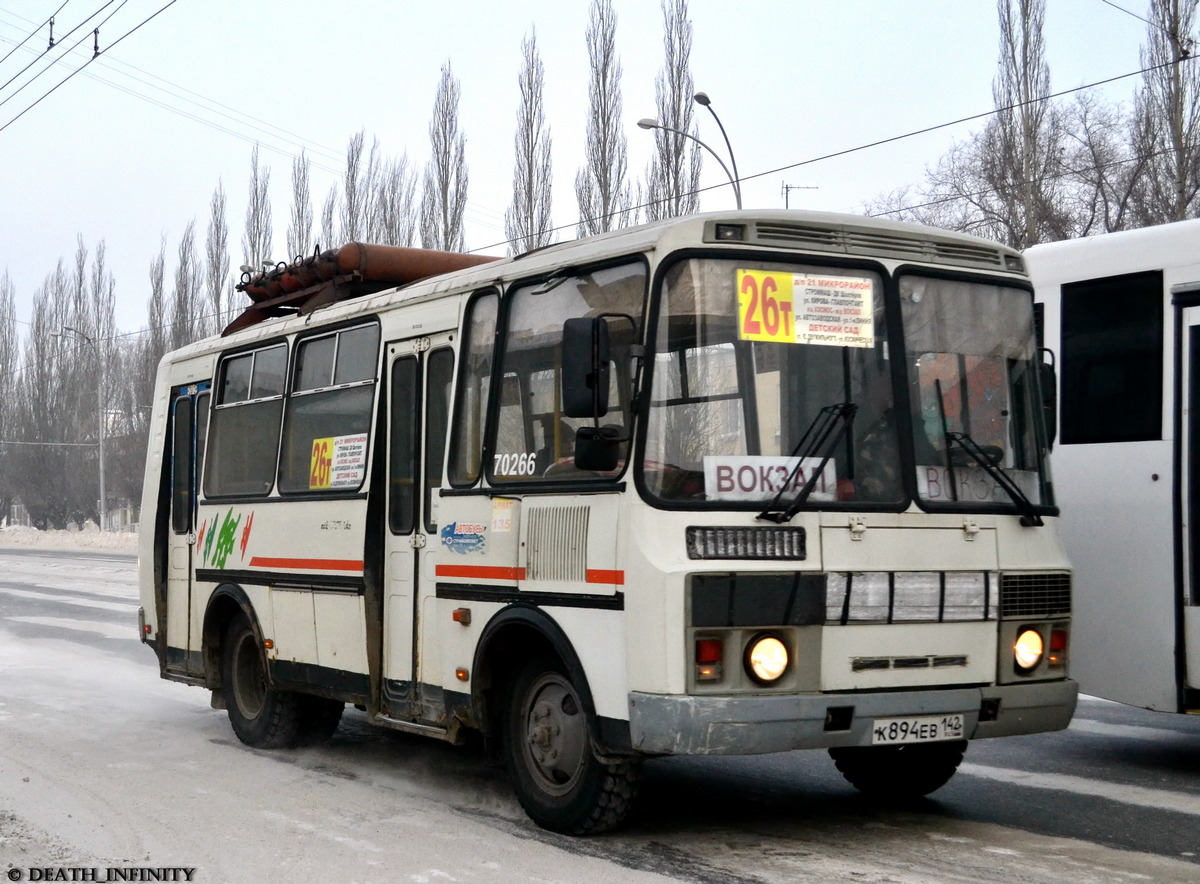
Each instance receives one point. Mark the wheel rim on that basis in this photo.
(555, 734)
(249, 677)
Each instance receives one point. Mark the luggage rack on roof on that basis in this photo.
(354, 270)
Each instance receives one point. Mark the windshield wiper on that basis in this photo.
(1029, 515)
(823, 434)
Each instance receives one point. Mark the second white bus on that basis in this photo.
(1123, 312)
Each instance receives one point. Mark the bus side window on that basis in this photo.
(437, 422)
(181, 467)
(402, 460)
(246, 420)
(479, 340)
(327, 424)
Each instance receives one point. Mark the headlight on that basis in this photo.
(1028, 649)
(766, 659)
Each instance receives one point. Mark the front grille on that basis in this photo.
(1035, 595)
(745, 543)
(869, 664)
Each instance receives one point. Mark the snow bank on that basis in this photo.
(114, 541)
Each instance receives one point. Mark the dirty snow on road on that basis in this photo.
(104, 764)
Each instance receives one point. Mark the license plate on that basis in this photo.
(919, 729)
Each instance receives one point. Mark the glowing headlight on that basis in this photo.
(766, 659)
(1028, 649)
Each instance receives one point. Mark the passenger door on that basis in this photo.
(1187, 300)
(419, 372)
(189, 423)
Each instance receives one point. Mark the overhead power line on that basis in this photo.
(880, 142)
(96, 55)
(33, 33)
(50, 46)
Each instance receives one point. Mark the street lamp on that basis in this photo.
(66, 329)
(648, 123)
(702, 99)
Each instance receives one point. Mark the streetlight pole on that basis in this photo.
(99, 409)
(702, 99)
(649, 123)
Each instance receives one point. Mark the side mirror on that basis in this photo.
(1048, 380)
(585, 363)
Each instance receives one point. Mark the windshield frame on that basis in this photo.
(890, 301)
(1007, 506)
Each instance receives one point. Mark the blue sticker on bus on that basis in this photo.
(464, 537)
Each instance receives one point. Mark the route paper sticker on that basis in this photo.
(798, 308)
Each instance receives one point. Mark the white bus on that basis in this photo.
(723, 484)
(1123, 312)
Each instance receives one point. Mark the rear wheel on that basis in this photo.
(261, 716)
(548, 751)
(897, 772)
(319, 718)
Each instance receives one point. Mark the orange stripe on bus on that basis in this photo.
(307, 564)
(497, 572)
(487, 572)
(614, 577)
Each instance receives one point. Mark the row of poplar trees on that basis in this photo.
(1042, 167)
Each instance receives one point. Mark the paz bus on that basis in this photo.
(723, 484)
(1123, 309)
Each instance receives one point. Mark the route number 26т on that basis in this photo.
(765, 306)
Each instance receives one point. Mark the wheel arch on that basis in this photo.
(517, 634)
(224, 604)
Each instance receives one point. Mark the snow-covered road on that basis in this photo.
(102, 764)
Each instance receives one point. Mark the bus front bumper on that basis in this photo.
(728, 725)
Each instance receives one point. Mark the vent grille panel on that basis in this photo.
(557, 542)
(1035, 595)
(878, 242)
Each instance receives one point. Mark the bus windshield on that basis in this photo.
(769, 377)
(976, 414)
(772, 386)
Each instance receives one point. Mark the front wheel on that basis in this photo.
(899, 772)
(261, 716)
(548, 752)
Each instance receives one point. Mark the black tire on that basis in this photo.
(548, 752)
(262, 716)
(319, 719)
(899, 772)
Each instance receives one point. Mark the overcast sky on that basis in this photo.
(130, 149)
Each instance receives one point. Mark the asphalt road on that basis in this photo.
(136, 770)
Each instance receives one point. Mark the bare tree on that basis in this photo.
(356, 189)
(185, 303)
(1021, 150)
(1103, 169)
(605, 197)
(158, 326)
(1010, 182)
(299, 232)
(58, 404)
(216, 269)
(329, 211)
(256, 241)
(444, 197)
(9, 353)
(527, 221)
(394, 217)
(1166, 133)
(673, 179)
